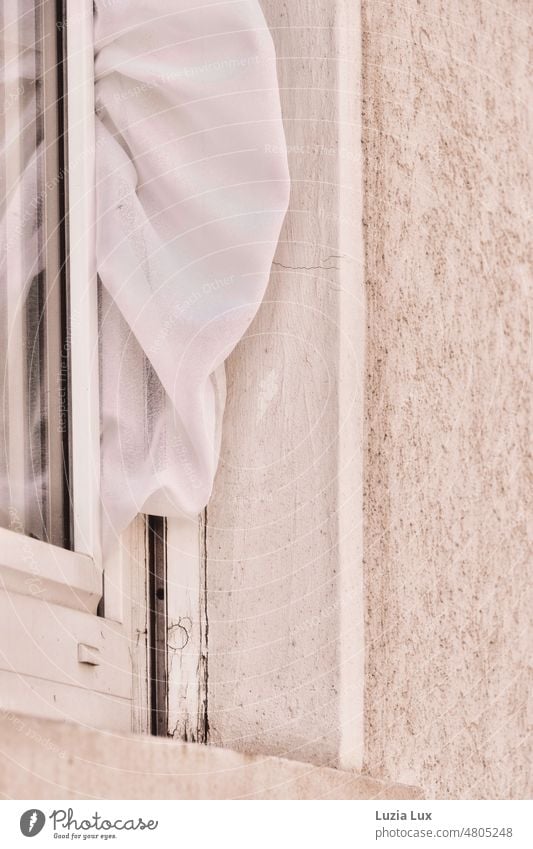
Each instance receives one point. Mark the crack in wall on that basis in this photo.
(321, 267)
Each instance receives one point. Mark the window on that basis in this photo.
(72, 628)
(34, 456)
(78, 637)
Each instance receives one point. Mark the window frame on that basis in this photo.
(58, 658)
(82, 333)
(83, 306)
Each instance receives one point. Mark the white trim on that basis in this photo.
(138, 624)
(84, 335)
(115, 565)
(38, 698)
(186, 630)
(51, 574)
(82, 276)
(47, 643)
(351, 377)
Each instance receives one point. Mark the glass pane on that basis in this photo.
(33, 353)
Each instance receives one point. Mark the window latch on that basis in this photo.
(88, 654)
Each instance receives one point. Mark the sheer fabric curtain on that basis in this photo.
(31, 420)
(192, 189)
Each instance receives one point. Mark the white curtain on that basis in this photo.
(25, 476)
(192, 189)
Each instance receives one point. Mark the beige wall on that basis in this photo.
(445, 141)
(444, 88)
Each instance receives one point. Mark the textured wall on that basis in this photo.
(44, 759)
(445, 143)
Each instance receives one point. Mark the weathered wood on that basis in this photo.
(187, 651)
(157, 609)
(136, 577)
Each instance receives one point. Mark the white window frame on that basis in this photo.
(58, 658)
(82, 274)
(116, 691)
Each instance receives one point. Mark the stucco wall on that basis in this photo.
(445, 141)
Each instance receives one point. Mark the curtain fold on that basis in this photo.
(191, 189)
